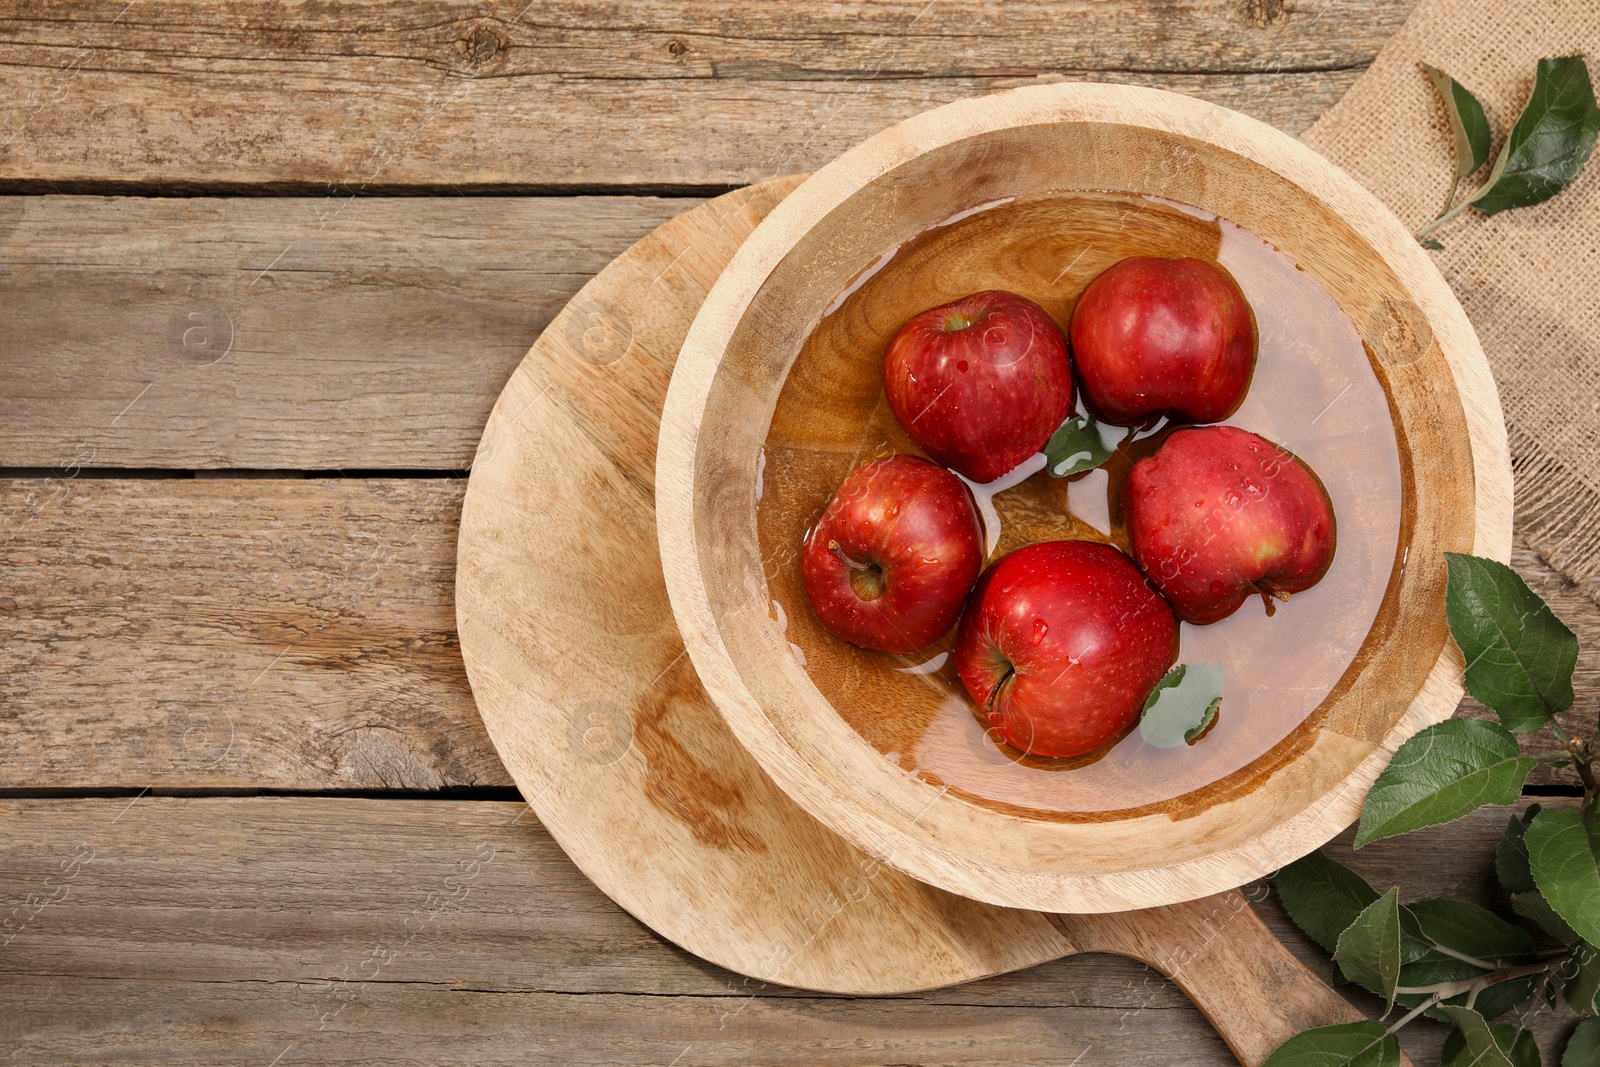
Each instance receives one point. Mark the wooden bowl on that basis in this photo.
(1057, 146)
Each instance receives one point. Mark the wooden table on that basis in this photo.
(267, 270)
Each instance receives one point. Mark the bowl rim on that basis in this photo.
(678, 499)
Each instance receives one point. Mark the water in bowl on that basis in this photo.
(1314, 391)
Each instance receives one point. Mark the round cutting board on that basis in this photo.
(581, 678)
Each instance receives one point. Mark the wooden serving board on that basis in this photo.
(582, 681)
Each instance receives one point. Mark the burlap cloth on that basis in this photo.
(1529, 278)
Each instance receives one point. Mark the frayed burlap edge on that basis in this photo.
(1557, 514)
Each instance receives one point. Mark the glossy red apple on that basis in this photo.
(1155, 336)
(1061, 643)
(980, 384)
(894, 555)
(1220, 514)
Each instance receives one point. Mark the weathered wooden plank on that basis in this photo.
(245, 633)
(277, 634)
(170, 930)
(311, 333)
(360, 94)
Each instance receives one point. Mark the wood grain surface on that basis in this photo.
(920, 174)
(152, 613)
(229, 930)
(141, 619)
(580, 675)
(361, 95)
(282, 333)
(235, 633)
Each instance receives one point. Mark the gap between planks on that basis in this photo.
(461, 93)
(222, 930)
(282, 634)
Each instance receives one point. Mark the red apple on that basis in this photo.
(1157, 336)
(894, 555)
(1219, 514)
(1061, 643)
(980, 384)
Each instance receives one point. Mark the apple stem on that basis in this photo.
(988, 703)
(833, 546)
(1267, 596)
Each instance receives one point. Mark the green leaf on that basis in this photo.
(1368, 952)
(1468, 930)
(1519, 655)
(1323, 897)
(1441, 774)
(1479, 1045)
(1468, 124)
(1076, 447)
(1524, 1049)
(1183, 705)
(1362, 1044)
(1518, 1045)
(1499, 998)
(1583, 1047)
(1564, 852)
(1580, 981)
(1494, 1001)
(1430, 927)
(1537, 910)
(1511, 854)
(1433, 243)
(1550, 142)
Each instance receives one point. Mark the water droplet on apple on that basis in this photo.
(1232, 498)
(1251, 486)
(1218, 589)
(961, 365)
(1040, 628)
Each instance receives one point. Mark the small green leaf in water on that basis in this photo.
(1076, 447)
(1468, 124)
(1368, 952)
(1363, 1044)
(1520, 657)
(1183, 705)
(1551, 141)
(1564, 854)
(1446, 771)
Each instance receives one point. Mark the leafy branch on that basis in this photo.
(1450, 960)
(1550, 143)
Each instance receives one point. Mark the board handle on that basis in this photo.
(1218, 951)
